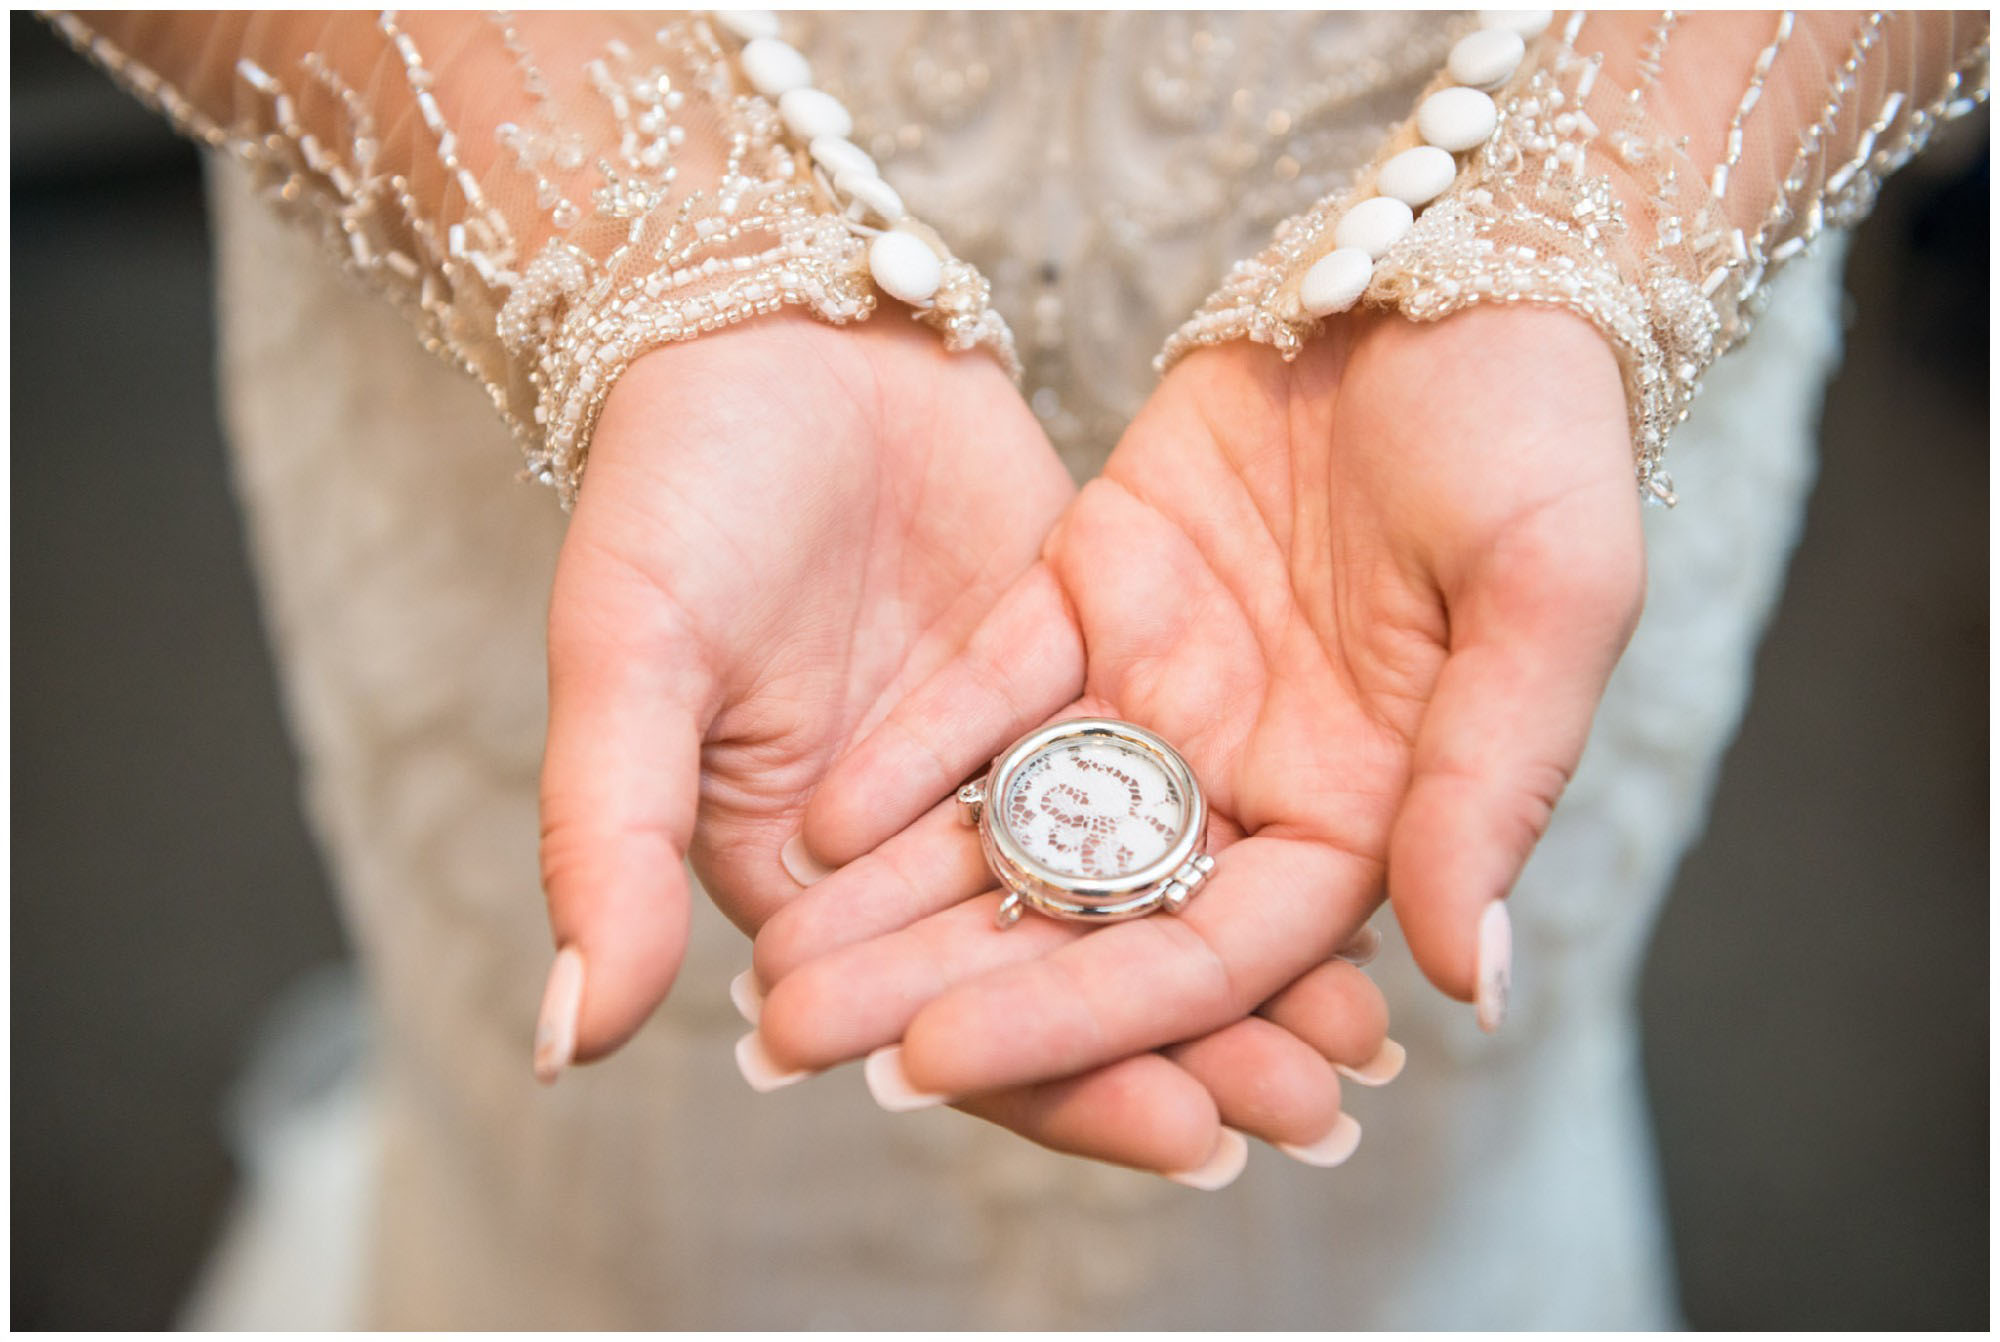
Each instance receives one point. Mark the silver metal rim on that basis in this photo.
(1095, 899)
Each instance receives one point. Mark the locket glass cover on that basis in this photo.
(1093, 807)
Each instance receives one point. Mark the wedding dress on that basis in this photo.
(1503, 1182)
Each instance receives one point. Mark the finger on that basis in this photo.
(620, 778)
(1022, 664)
(1145, 1112)
(929, 867)
(847, 993)
(1535, 635)
(1265, 1082)
(862, 997)
(1339, 1012)
(1260, 1079)
(1273, 908)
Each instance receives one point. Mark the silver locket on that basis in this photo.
(1092, 819)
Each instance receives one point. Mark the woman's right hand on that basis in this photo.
(782, 529)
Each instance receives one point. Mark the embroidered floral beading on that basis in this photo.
(1591, 193)
(545, 201)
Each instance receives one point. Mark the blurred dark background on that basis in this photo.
(1823, 1127)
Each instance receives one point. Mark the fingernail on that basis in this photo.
(759, 1068)
(1379, 1070)
(746, 997)
(890, 1084)
(1495, 970)
(555, 1027)
(1330, 1150)
(1367, 944)
(800, 863)
(1232, 1153)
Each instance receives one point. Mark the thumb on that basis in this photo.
(1535, 635)
(620, 781)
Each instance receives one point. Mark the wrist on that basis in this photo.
(790, 342)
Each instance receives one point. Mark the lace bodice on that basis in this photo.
(1161, 148)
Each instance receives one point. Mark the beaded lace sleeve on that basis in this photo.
(1650, 172)
(547, 197)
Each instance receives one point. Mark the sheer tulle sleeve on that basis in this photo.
(548, 196)
(1651, 172)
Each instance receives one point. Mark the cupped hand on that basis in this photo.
(1182, 1111)
(782, 529)
(1372, 595)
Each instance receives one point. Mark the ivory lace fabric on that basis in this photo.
(1093, 809)
(1501, 1183)
(548, 197)
(545, 197)
(1652, 172)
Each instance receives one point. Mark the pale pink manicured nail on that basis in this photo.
(1330, 1150)
(890, 1084)
(555, 1028)
(1495, 966)
(800, 863)
(746, 996)
(1365, 946)
(1380, 1070)
(1232, 1153)
(759, 1068)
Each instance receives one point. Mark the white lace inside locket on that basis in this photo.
(1094, 808)
(1090, 819)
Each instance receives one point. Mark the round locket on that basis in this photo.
(1090, 819)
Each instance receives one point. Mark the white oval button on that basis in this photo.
(812, 114)
(871, 191)
(1457, 119)
(905, 267)
(1486, 59)
(774, 68)
(1526, 22)
(1417, 176)
(1373, 226)
(838, 155)
(1335, 281)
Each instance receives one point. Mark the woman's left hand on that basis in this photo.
(1373, 596)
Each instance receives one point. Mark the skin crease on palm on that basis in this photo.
(1372, 595)
(783, 531)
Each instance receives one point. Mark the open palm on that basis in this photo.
(781, 529)
(782, 532)
(1372, 596)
